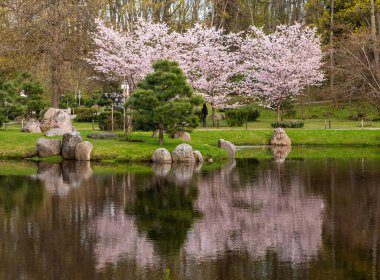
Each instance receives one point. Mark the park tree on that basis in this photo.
(10, 101)
(280, 65)
(128, 56)
(210, 62)
(164, 100)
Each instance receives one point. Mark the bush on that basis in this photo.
(86, 114)
(104, 120)
(297, 124)
(236, 117)
(253, 114)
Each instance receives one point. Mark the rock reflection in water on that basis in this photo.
(280, 153)
(59, 179)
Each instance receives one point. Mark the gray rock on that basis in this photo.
(83, 151)
(69, 144)
(102, 135)
(280, 138)
(55, 132)
(184, 136)
(198, 156)
(227, 146)
(49, 147)
(56, 118)
(161, 155)
(32, 126)
(183, 153)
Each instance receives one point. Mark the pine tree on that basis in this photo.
(165, 101)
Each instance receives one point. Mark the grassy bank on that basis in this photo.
(17, 145)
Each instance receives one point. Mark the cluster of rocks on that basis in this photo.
(70, 147)
(56, 122)
(183, 153)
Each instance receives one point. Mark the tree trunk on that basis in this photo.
(302, 108)
(278, 113)
(55, 57)
(332, 54)
(161, 135)
(213, 116)
(374, 39)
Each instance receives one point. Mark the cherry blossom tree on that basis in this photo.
(280, 65)
(209, 62)
(129, 56)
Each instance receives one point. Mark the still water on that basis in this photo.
(249, 219)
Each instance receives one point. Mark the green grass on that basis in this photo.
(344, 132)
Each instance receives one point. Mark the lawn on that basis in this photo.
(17, 145)
(343, 132)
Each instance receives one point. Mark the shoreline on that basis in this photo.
(15, 145)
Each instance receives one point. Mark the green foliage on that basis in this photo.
(86, 114)
(20, 96)
(349, 16)
(164, 100)
(253, 114)
(288, 109)
(236, 117)
(105, 120)
(296, 124)
(165, 212)
(67, 100)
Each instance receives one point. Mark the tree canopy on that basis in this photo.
(164, 100)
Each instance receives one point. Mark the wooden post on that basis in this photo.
(93, 125)
(362, 123)
(112, 118)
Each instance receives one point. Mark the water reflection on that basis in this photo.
(280, 153)
(302, 219)
(60, 178)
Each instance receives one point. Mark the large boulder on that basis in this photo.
(184, 136)
(56, 118)
(227, 146)
(280, 138)
(83, 151)
(55, 132)
(69, 144)
(48, 147)
(198, 156)
(32, 126)
(183, 153)
(161, 155)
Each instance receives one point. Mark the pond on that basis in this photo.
(316, 218)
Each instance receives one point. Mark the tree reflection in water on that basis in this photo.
(298, 219)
